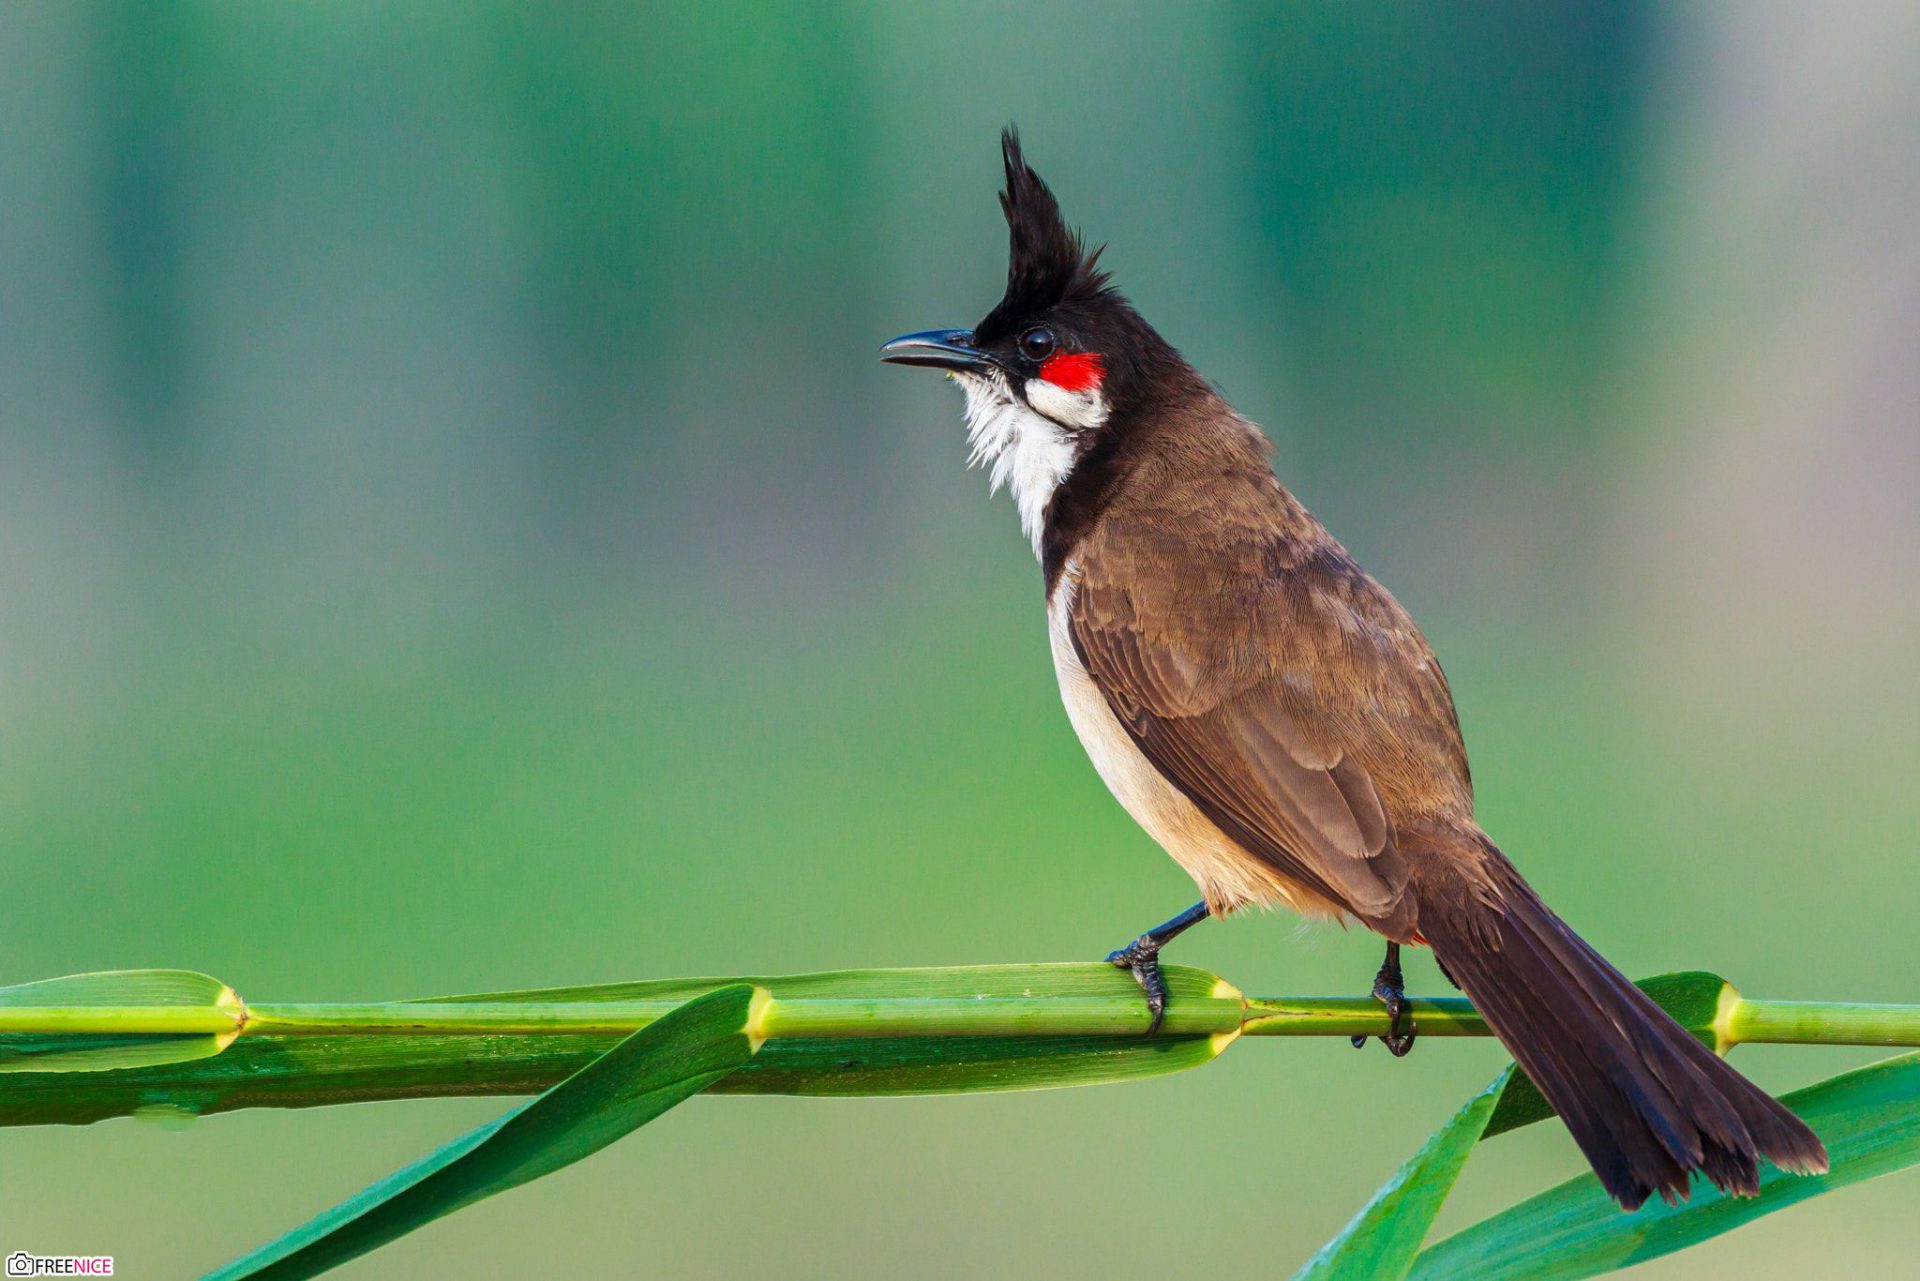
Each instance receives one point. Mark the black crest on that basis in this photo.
(1046, 262)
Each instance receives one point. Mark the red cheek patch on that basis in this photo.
(1074, 371)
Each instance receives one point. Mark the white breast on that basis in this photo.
(1228, 876)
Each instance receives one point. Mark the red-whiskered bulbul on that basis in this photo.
(1274, 719)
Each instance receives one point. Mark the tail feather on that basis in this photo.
(1646, 1102)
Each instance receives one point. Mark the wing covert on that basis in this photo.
(1204, 698)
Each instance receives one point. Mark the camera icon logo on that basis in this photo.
(19, 1264)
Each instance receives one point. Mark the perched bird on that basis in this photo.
(1274, 719)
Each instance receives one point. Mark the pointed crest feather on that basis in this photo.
(1046, 262)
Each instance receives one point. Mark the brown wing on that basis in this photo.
(1280, 690)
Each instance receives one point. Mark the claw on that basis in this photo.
(1141, 958)
(1389, 989)
(1398, 1043)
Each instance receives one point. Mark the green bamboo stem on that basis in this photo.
(1739, 1021)
(1356, 1016)
(1818, 1023)
(1118, 1015)
(1122, 1015)
(196, 1049)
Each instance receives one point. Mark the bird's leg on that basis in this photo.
(1390, 990)
(1142, 958)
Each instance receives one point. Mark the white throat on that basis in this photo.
(1025, 450)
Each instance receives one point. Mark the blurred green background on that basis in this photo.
(454, 534)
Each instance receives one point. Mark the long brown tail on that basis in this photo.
(1645, 1100)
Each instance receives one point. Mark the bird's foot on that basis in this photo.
(1141, 958)
(1390, 990)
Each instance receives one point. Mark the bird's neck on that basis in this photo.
(1155, 464)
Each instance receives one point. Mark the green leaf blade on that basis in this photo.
(72, 1009)
(1381, 1242)
(902, 1066)
(641, 1077)
(1869, 1119)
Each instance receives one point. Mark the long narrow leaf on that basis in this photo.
(1868, 1118)
(641, 1077)
(1381, 1242)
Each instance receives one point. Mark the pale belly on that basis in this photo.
(1228, 876)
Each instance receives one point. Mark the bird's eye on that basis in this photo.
(1037, 343)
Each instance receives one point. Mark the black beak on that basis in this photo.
(937, 349)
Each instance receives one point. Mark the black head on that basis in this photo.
(1047, 265)
(1060, 319)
